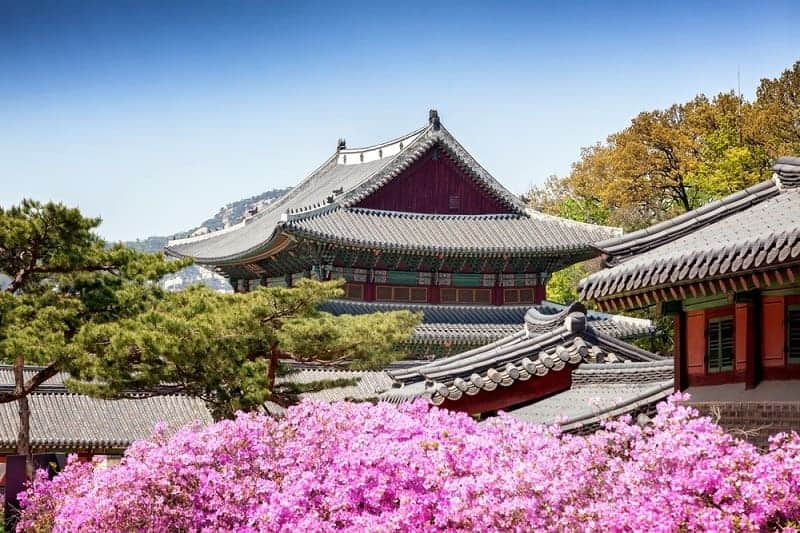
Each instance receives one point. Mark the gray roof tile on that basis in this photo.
(755, 228)
(482, 324)
(320, 205)
(477, 234)
(436, 314)
(369, 384)
(600, 392)
(61, 420)
(519, 356)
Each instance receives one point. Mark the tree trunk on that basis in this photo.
(273, 366)
(24, 435)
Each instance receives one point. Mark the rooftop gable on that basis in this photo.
(351, 176)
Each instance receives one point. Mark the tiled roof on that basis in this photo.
(546, 342)
(461, 333)
(518, 357)
(321, 205)
(433, 313)
(476, 234)
(482, 324)
(368, 383)
(753, 229)
(600, 392)
(61, 420)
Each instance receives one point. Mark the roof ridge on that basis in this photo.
(787, 171)
(384, 143)
(671, 229)
(438, 216)
(539, 214)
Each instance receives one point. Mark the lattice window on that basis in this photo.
(720, 341)
(518, 296)
(793, 333)
(466, 296)
(385, 293)
(354, 291)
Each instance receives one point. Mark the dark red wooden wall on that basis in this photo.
(427, 187)
(536, 388)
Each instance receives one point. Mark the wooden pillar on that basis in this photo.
(434, 296)
(497, 294)
(234, 283)
(539, 293)
(369, 292)
(753, 369)
(679, 351)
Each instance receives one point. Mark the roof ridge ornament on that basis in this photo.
(575, 322)
(787, 172)
(341, 144)
(433, 119)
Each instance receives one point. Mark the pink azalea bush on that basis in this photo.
(363, 467)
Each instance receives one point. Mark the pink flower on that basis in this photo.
(363, 467)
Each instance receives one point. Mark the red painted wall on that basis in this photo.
(773, 363)
(695, 343)
(535, 388)
(773, 336)
(426, 187)
(744, 331)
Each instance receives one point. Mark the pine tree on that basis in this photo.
(62, 276)
(228, 348)
(75, 305)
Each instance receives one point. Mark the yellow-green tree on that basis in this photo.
(672, 160)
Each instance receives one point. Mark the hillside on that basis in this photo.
(227, 216)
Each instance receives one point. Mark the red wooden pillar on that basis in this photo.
(369, 292)
(539, 293)
(433, 294)
(679, 351)
(743, 342)
(748, 339)
(497, 295)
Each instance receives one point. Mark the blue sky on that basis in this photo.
(154, 114)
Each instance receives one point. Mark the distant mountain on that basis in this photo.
(227, 216)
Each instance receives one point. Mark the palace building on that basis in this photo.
(729, 274)
(568, 367)
(415, 220)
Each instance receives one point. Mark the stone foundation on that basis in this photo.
(753, 421)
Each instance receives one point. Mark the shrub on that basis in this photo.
(363, 467)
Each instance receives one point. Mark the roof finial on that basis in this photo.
(341, 144)
(575, 322)
(433, 119)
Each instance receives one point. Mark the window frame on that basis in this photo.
(517, 298)
(349, 287)
(400, 288)
(460, 296)
(719, 368)
(791, 308)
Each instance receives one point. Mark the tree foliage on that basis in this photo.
(672, 160)
(62, 277)
(227, 348)
(73, 304)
